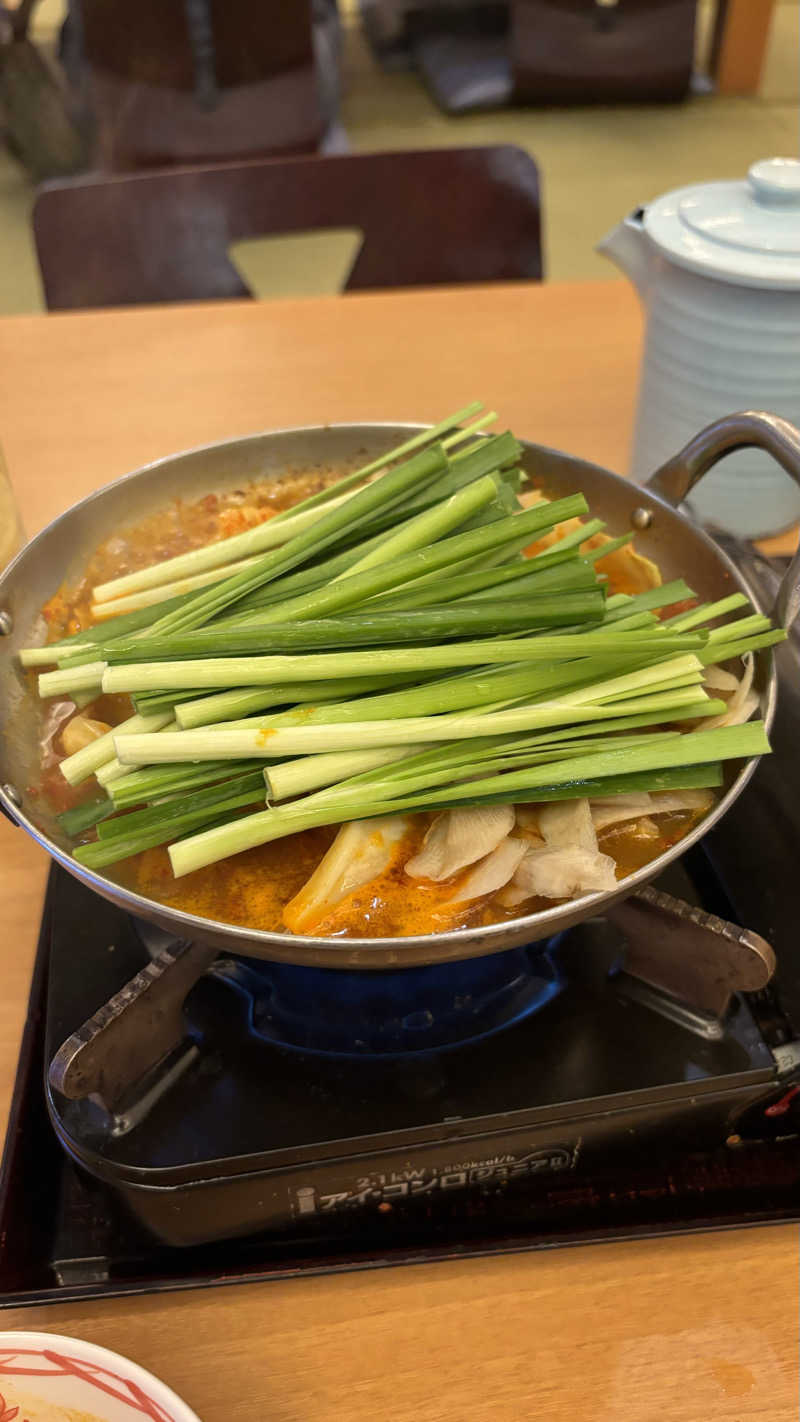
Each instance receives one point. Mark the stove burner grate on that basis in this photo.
(396, 1013)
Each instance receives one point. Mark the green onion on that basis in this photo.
(312, 772)
(275, 742)
(244, 671)
(88, 637)
(427, 436)
(487, 456)
(152, 596)
(182, 804)
(740, 646)
(477, 427)
(78, 767)
(122, 846)
(84, 817)
(158, 781)
(387, 648)
(682, 778)
(110, 772)
(112, 769)
(605, 549)
(462, 692)
(447, 552)
(427, 527)
(47, 656)
(381, 629)
(744, 627)
(295, 777)
(692, 748)
(304, 579)
(568, 541)
(571, 575)
(663, 596)
(698, 615)
(433, 765)
(330, 527)
(486, 583)
(239, 549)
(232, 705)
(202, 849)
(82, 678)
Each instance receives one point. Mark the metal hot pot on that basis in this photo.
(680, 548)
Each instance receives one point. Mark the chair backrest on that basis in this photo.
(427, 218)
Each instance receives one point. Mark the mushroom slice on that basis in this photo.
(492, 873)
(528, 823)
(559, 874)
(361, 851)
(617, 808)
(458, 838)
(567, 824)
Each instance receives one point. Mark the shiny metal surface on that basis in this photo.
(750, 429)
(134, 1031)
(58, 553)
(125, 1051)
(693, 956)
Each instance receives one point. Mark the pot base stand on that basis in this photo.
(676, 960)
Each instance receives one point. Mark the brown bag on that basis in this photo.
(41, 122)
(194, 81)
(601, 51)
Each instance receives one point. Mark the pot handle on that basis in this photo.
(749, 429)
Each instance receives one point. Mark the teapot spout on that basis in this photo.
(628, 248)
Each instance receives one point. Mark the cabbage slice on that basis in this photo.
(362, 851)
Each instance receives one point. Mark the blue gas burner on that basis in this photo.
(394, 1013)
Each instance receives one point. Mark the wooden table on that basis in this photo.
(662, 1331)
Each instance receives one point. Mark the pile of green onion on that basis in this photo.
(385, 646)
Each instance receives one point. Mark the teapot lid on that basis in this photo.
(743, 232)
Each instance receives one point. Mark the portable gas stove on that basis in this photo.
(640, 1074)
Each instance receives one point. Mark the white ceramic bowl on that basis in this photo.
(47, 1378)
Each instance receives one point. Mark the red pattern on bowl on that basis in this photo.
(98, 1377)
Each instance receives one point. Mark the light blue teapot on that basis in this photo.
(717, 267)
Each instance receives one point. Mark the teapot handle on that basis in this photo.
(749, 429)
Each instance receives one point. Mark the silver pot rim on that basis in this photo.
(455, 944)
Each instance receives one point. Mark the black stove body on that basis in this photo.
(300, 1119)
(235, 1131)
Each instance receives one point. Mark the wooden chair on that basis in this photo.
(428, 218)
